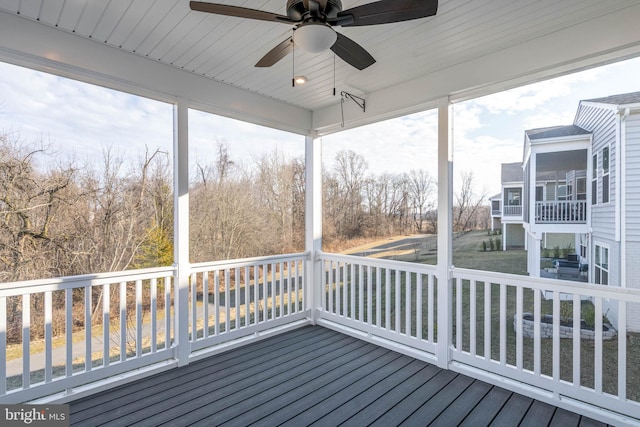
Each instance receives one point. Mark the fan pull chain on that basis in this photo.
(342, 110)
(334, 75)
(293, 61)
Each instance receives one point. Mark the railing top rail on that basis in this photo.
(377, 262)
(81, 281)
(246, 262)
(563, 286)
(557, 202)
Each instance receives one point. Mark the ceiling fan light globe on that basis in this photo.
(314, 37)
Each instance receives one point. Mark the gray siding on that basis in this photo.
(632, 210)
(633, 281)
(602, 122)
(632, 171)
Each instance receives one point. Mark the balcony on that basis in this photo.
(561, 212)
(515, 210)
(251, 316)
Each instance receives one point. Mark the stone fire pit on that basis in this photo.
(566, 328)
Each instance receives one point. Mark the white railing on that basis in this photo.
(490, 333)
(392, 300)
(232, 299)
(512, 210)
(394, 303)
(561, 212)
(57, 334)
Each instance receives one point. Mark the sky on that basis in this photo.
(78, 120)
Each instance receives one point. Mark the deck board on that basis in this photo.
(313, 376)
(461, 407)
(539, 414)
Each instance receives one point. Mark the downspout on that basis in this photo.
(620, 197)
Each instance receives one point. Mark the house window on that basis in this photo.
(594, 180)
(495, 206)
(601, 264)
(513, 197)
(605, 175)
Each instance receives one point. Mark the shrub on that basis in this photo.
(484, 246)
(556, 252)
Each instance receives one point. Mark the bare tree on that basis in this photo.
(350, 169)
(467, 203)
(31, 204)
(422, 188)
(224, 221)
(280, 186)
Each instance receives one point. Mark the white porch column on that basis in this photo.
(313, 223)
(533, 254)
(445, 232)
(181, 229)
(504, 237)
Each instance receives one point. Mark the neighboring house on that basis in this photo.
(577, 187)
(506, 207)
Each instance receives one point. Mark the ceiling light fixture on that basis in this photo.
(299, 80)
(314, 37)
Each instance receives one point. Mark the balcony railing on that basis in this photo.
(396, 302)
(474, 323)
(561, 212)
(515, 210)
(94, 327)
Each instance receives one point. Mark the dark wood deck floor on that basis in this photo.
(315, 376)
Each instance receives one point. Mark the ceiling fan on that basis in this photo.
(314, 19)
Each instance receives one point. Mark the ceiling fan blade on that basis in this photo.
(386, 11)
(276, 54)
(240, 12)
(352, 53)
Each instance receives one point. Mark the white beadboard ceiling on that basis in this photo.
(225, 49)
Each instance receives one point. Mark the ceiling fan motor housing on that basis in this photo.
(297, 11)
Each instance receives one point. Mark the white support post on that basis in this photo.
(504, 237)
(535, 255)
(181, 230)
(445, 232)
(313, 223)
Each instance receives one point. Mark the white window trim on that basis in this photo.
(606, 246)
(607, 173)
(594, 177)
